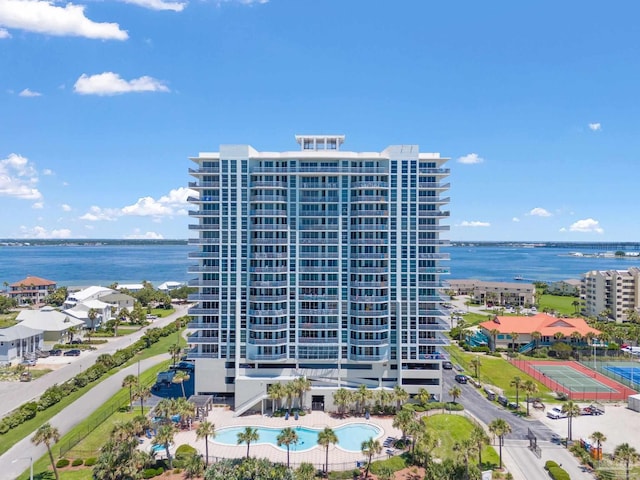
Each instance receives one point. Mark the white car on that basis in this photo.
(555, 413)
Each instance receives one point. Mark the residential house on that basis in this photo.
(611, 294)
(31, 290)
(495, 293)
(81, 312)
(57, 327)
(119, 300)
(89, 293)
(19, 342)
(573, 331)
(569, 287)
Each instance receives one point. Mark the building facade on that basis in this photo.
(611, 294)
(320, 263)
(516, 294)
(31, 290)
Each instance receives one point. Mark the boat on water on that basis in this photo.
(519, 278)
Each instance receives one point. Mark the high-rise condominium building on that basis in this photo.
(612, 294)
(320, 263)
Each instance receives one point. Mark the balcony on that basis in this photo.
(318, 185)
(368, 198)
(318, 326)
(197, 255)
(272, 226)
(443, 271)
(325, 297)
(369, 213)
(356, 327)
(267, 341)
(198, 185)
(368, 358)
(320, 311)
(268, 213)
(193, 354)
(434, 256)
(434, 185)
(268, 255)
(326, 255)
(268, 298)
(264, 357)
(319, 228)
(265, 327)
(433, 228)
(314, 199)
(202, 269)
(267, 313)
(203, 311)
(203, 170)
(318, 241)
(272, 283)
(369, 227)
(268, 269)
(434, 241)
(434, 171)
(378, 284)
(195, 339)
(433, 213)
(319, 213)
(307, 340)
(202, 226)
(374, 256)
(268, 198)
(203, 199)
(370, 185)
(203, 325)
(259, 183)
(369, 313)
(368, 298)
(202, 241)
(369, 270)
(369, 342)
(434, 327)
(369, 241)
(317, 283)
(269, 241)
(432, 341)
(196, 297)
(203, 283)
(204, 213)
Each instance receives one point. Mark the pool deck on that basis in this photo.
(223, 417)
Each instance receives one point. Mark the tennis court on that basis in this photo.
(627, 370)
(572, 379)
(579, 381)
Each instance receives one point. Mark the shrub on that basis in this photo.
(558, 473)
(184, 451)
(90, 462)
(4, 427)
(77, 462)
(63, 462)
(549, 464)
(149, 473)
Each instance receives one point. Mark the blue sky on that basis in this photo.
(536, 104)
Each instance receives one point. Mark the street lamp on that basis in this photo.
(30, 465)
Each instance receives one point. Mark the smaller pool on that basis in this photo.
(350, 436)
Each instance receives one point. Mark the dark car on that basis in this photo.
(72, 353)
(56, 352)
(461, 378)
(447, 365)
(76, 342)
(182, 366)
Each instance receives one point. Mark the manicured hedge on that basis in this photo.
(77, 462)
(90, 462)
(558, 473)
(63, 462)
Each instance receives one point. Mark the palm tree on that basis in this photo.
(174, 351)
(302, 385)
(480, 439)
(193, 467)
(599, 438)
(290, 392)
(164, 437)
(576, 306)
(530, 387)
(180, 377)
(625, 453)
(402, 420)
(476, 363)
(370, 448)
(92, 314)
(141, 393)
(514, 338)
(465, 448)
(415, 429)
(247, 436)
(455, 393)
(576, 336)
(276, 393)
(325, 438)
(48, 435)
(558, 336)
(517, 383)
(286, 437)
(536, 337)
(401, 396)
(494, 337)
(499, 428)
(570, 409)
(130, 381)
(206, 430)
(362, 395)
(342, 398)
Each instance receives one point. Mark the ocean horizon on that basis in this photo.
(99, 263)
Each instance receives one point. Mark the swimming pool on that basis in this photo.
(350, 436)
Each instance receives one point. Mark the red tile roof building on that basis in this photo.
(31, 290)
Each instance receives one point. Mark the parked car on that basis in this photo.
(592, 410)
(461, 378)
(25, 377)
(182, 366)
(56, 352)
(447, 365)
(555, 413)
(72, 353)
(151, 317)
(29, 362)
(76, 341)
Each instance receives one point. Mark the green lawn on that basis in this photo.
(560, 304)
(162, 312)
(476, 318)
(497, 371)
(8, 319)
(454, 428)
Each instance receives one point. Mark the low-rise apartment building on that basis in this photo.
(495, 293)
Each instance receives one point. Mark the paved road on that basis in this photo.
(14, 394)
(69, 418)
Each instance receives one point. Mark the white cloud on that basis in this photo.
(47, 171)
(65, 207)
(595, 127)
(588, 225)
(465, 223)
(515, 219)
(18, 178)
(109, 83)
(38, 205)
(29, 93)
(171, 205)
(159, 4)
(96, 214)
(144, 236)
(41, 232)
(539, 212)
(470, 159)
(46, 17)
(4, 33)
